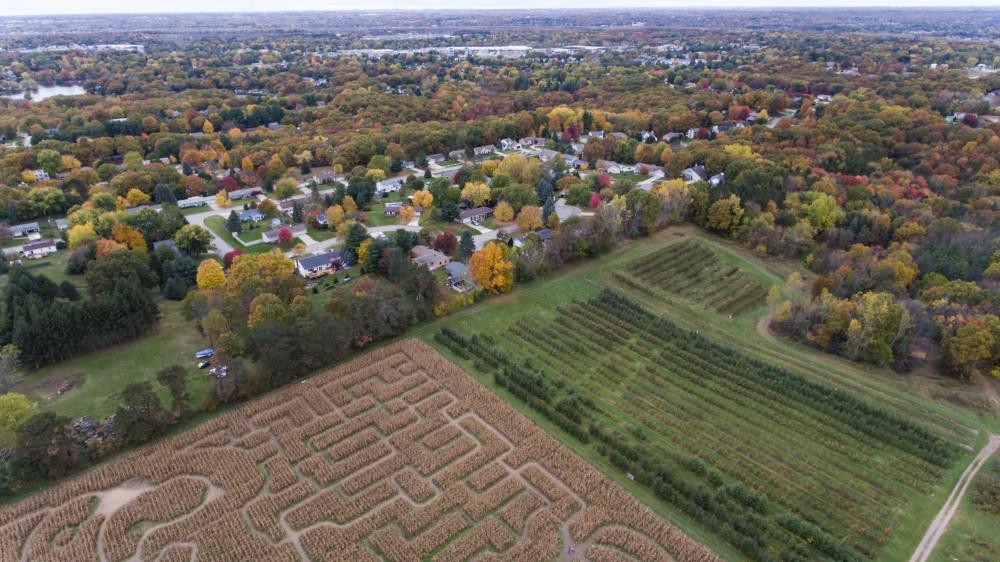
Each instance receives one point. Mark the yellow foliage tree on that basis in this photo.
(81, 233)
(504, 212)
(375, 174)
(129, 236)
(423, 198)
(208, 128)
(246, 163)
(334, 216)
(491, 269)
(530, 217)
(222, 199)
(363, 249)
(271, 272)
(476, 193)
(210, 275)
(406, 214)
(350, 207)
(136, 197)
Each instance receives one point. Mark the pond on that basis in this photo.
(45, 92)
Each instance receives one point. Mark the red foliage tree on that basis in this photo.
(595, 200)
(284, 235)
(445, 242)
(227, 260)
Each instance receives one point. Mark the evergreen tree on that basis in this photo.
(233, 223)
(140, 416)
(296, 212)
(548, 208)
(164, 195)
(466, 245)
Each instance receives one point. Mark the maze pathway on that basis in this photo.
(397, 456)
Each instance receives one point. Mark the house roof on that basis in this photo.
(38, 245)
(295, 228)
(477, 212)
(457, 269)
(24, 227)
(318, 260)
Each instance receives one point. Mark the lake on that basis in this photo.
(45, 92)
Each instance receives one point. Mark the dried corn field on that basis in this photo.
(395, 456)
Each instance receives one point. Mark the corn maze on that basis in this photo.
(692, 271)
(395, 456)
(778, 466)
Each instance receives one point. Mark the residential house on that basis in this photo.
(507, 144)
(251, 215)
(191, 202)
(458, 155)
(608, 166)
(40, 175)
(38, 249)
(459, 277)
(24, 229)
(288, 205)
(572, 161)
(596, 135)
(389, 185)
(246, 192)
(619, 136)
(474, 216)
(671, 137)
(319, 265)
(694, 173)
(435, 158)
(484, 150)
(429, 257)
(543, 234)
(140, 208)
(62, 224)
(547, 154)
(717, 179)
(271, 236)
(392, 209)
(321, 220)
(649, 136)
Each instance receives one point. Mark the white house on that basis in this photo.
(271, 236)
(24, 229)
(474, 216)
(319, 265)
(38, 249)
(389, 185)
(507, 144)
(191, 202)
(484, 150)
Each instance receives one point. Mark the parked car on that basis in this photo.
(205, 353)
(204, 363)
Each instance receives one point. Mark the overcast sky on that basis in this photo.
(48, 7)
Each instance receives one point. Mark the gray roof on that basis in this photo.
(318, 260)
(456, 269)
(24, 227)
(38, 245)
(477, 212)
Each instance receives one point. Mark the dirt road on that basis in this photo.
(940, 523)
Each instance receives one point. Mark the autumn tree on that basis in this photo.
(210, 275)
(15, 409)
(476, 193)
(503, 212)
(491, 268)
(423, 198)
(530, 218)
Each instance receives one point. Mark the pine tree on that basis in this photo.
(296, 212)
(233, 223)
(466, 245)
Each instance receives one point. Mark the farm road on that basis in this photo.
(940, 523)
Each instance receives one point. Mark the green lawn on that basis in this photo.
(630, 176)
(320, 234)
(195, 210)
(98, 376)
(53, 267)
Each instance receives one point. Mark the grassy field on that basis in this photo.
(53, 267)
(867, 494)
(98, 376)
(974, 534)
